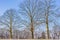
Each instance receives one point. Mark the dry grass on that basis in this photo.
(29, 39)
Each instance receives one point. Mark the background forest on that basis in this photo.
(33, 19)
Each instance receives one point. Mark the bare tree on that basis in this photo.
(43, 35)
(56, 30)
(11, 20)
(48, 9)
(31, 9)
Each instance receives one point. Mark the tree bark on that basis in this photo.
(47, 28)
(32, 28)
(32, 32)
(10, 27)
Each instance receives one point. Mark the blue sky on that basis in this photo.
(7, 4)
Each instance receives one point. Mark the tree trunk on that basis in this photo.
(10, 27)
(32, 28)
(47, 28)
(32, 32)
(10, 33)
(47, 31)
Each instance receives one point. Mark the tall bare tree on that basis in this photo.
(48, 9)
(31, 9)
(10, 20)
